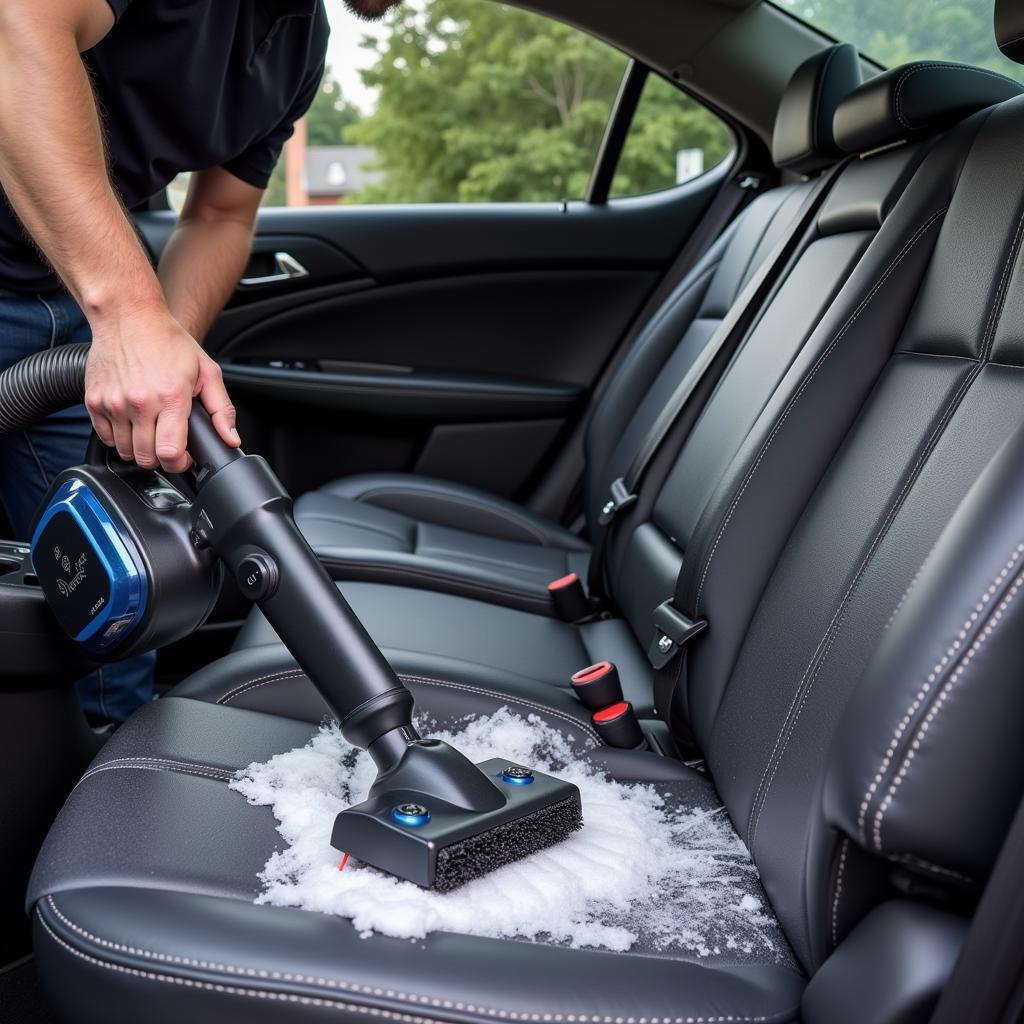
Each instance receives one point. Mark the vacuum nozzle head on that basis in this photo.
(440, 845)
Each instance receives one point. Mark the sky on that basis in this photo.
(345, 56)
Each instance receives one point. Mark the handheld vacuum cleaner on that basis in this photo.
(129, 561)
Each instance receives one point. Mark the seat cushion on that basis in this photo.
(479, 640)
(143, 900)
(438, 535)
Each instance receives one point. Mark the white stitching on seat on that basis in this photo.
(995, 313)
(330, 983)
(253, 684)
(827, 641)
(159, 764)
(839, 889)
(806, 383)
(832, 631)
(938, 702)
(988, 341)
(933, 676)
(430, 681)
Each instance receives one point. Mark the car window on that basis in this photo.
(462, 101)
(672, 139)
(893, 33)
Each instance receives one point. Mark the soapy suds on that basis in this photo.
(641, 873)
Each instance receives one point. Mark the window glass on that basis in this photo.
(896, 31)
(672, 139)
(452, 101)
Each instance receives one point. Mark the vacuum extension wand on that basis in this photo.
(432, 816)
(244, 514)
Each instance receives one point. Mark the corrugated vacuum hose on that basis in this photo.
(41, 384)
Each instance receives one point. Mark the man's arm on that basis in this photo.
(144, 368)
(208, 250)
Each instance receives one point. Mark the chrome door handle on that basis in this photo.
(286, 268)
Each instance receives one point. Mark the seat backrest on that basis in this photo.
(668, 344)
(891, 425)
(651, 546)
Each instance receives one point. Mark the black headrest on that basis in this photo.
(1010, 28)
(802, 140)
(915, 100)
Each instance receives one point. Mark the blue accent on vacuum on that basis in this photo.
(411, 815)
(93, 569)
(516, 776)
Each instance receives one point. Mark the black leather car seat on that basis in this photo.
(461, 642)
(856, 691)
(438, 535)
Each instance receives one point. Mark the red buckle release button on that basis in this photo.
(569, 598)
(618, 726)
(611, 714)
(563, 581)
(592, 672)
(597, 686)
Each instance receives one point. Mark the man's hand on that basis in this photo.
(145, 368)
(143, 372)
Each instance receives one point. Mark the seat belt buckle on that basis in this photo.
(569, 598)
(672, 632)
(619, 498)
(619, 727)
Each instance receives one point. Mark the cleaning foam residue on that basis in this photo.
(643, 872)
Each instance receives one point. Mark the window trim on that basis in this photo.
(620, 123)
(616, 132)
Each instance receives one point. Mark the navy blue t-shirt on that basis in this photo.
(184, 85)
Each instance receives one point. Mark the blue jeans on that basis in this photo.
(30, 460)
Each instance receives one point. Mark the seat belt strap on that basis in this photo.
(738, 189)
(673, 632)
(725, 340)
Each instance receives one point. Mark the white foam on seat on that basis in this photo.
(641, 870)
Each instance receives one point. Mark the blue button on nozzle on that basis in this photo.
(411, 815)
(516, 776)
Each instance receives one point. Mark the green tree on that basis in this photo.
(330, 115)
(666, 121)
(896, 31)
(484, 102)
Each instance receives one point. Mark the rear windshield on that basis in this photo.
(896, 31)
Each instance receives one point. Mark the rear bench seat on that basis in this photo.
(438, 535)
(457, 642)
(859, 563)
